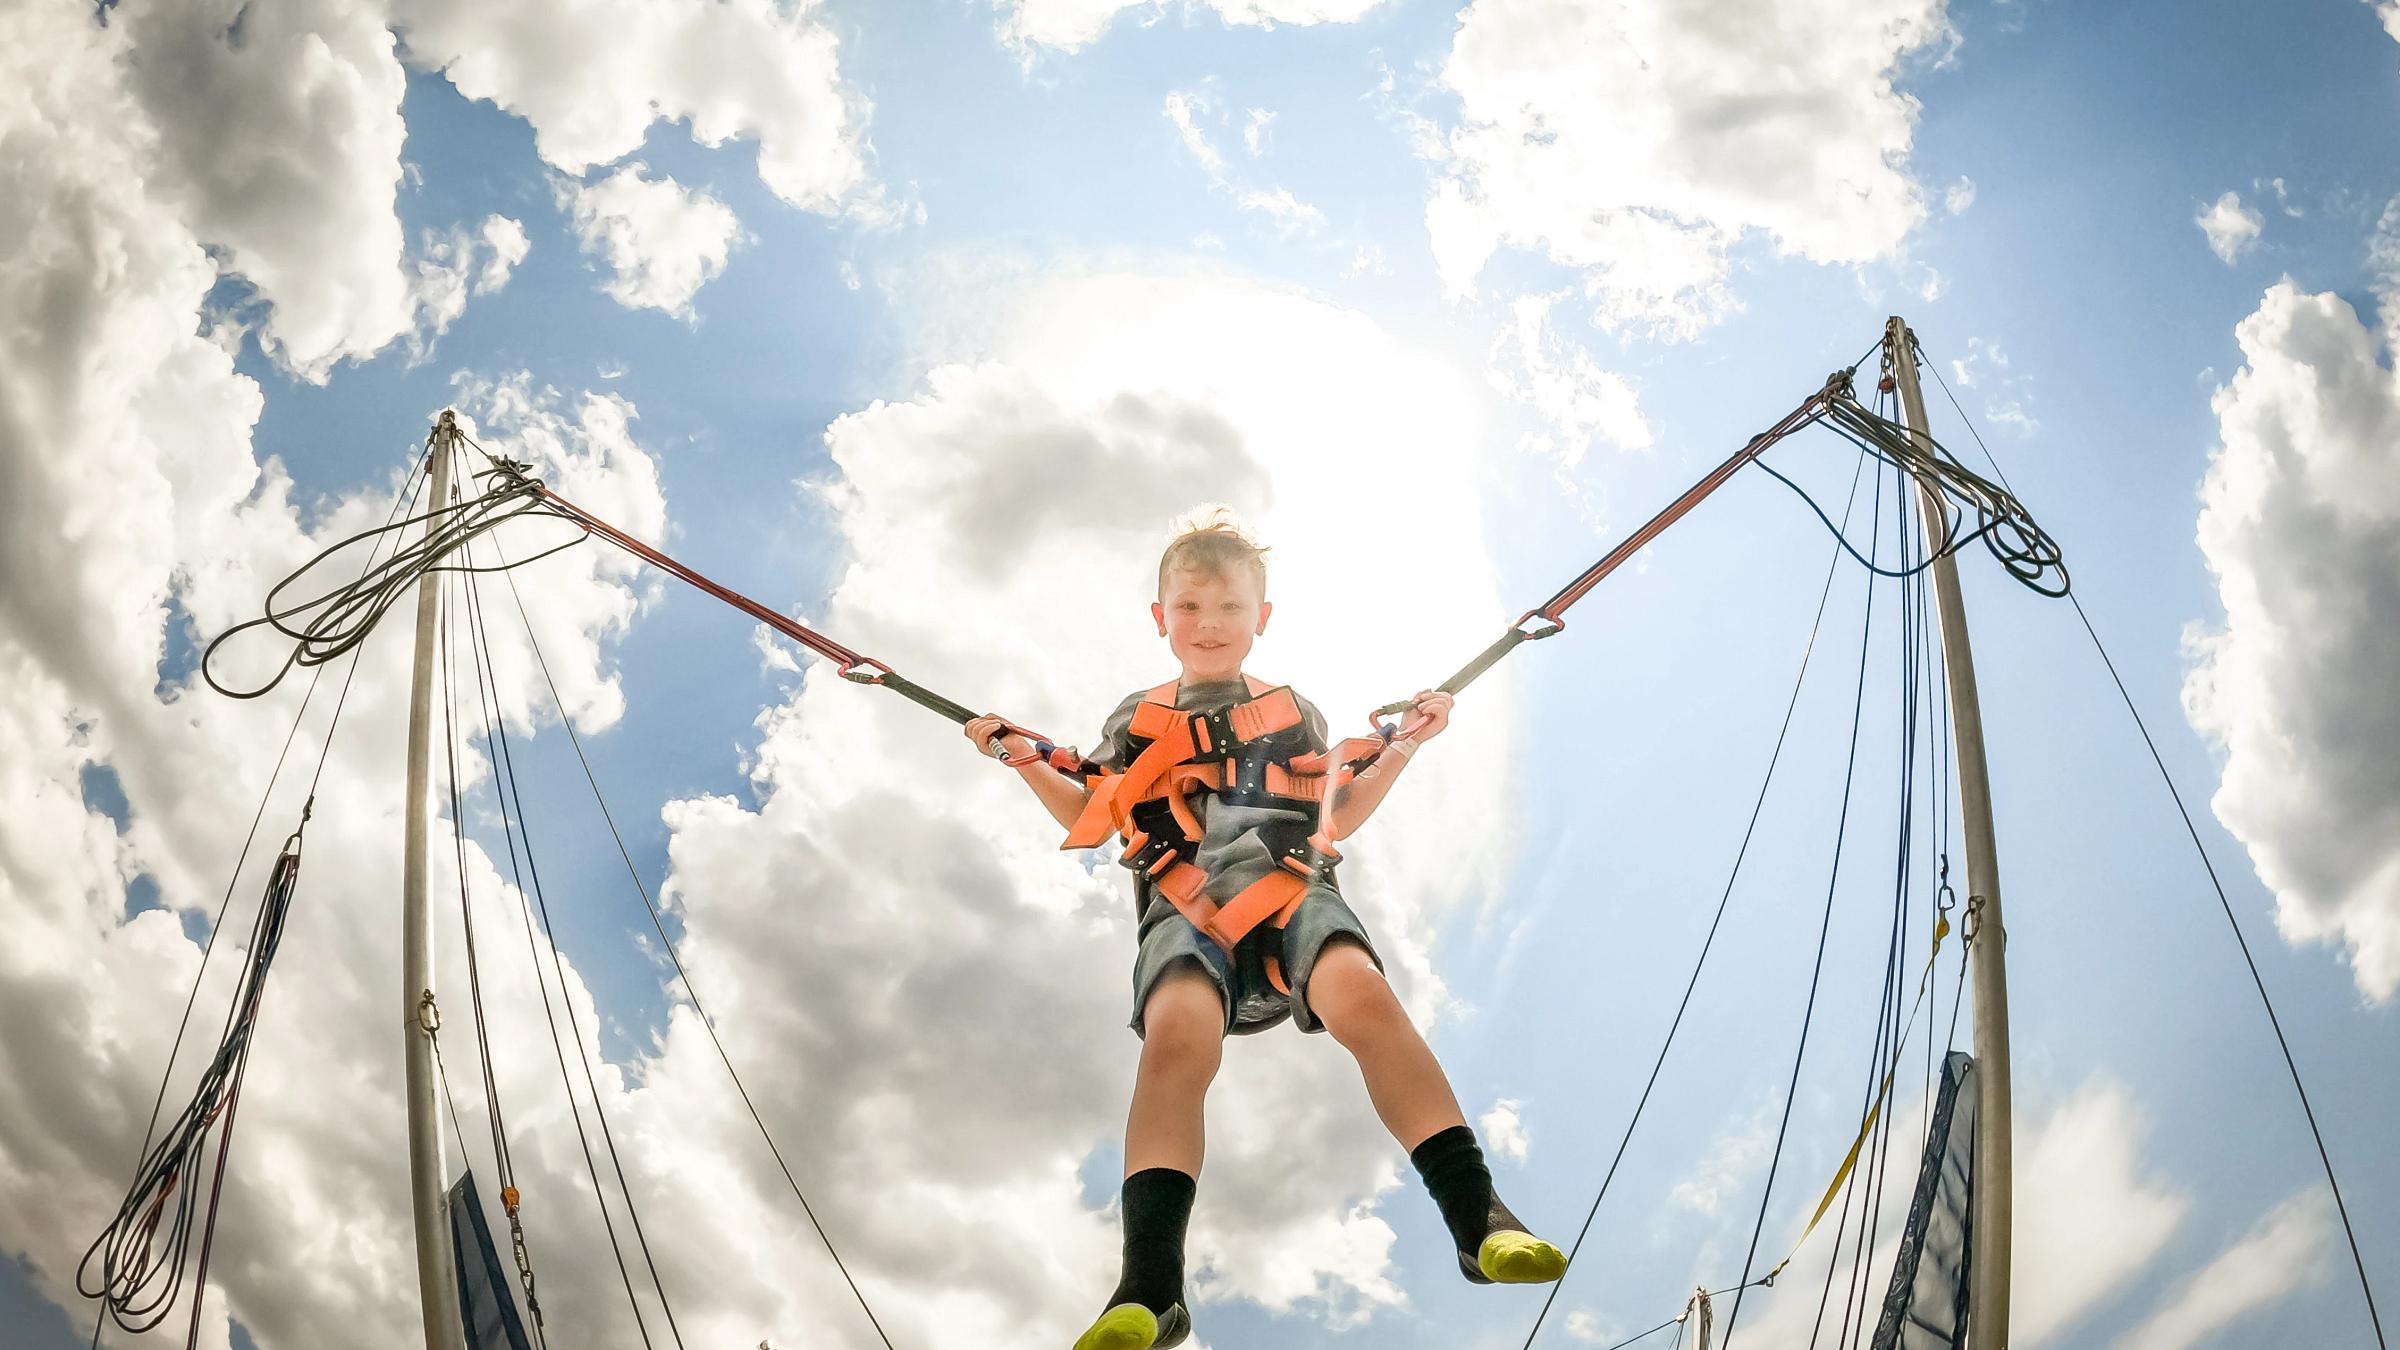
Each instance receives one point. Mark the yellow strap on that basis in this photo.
(1941, 929)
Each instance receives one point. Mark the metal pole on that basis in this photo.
(1701, 1311)
(437, 1275)
(1987, 1292)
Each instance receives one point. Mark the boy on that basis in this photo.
(1195, 981)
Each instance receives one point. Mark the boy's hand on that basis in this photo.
(983, 729)
(1434, 706)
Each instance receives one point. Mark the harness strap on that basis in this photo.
(1165, 771)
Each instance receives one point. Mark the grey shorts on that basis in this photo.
(1252, 1004)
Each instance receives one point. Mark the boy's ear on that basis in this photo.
(1266, 608)
(1159, 612)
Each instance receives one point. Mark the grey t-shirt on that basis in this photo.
(1232, 850)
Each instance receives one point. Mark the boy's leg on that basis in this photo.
(1348, 994)
(1183, 1040)
(1351, 998)
(1183, 1034)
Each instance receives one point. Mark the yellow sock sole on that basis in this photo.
(1509, 1257)
(1127, 1326)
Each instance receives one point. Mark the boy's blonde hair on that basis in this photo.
(1213, 546)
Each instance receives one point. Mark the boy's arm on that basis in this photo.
(1357, 800)
(1061, 795)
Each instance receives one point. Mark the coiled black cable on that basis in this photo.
(325, 626)
(2023, 548)
(139, 1276)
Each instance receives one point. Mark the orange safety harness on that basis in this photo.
(1249, 753)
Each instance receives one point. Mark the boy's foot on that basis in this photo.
(1130, 1326)
(1512, 1256)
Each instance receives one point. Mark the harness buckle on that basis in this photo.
(1213, 735)
(1150, 857)
(1306, 859)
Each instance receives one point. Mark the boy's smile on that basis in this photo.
(1209, 621)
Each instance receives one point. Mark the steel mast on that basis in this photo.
(437, 1273)
(1987, 1286)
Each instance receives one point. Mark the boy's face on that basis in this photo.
(1209, 621)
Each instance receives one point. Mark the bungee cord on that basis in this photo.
(2000, 521)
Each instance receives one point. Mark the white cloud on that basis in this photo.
(451, 265)
(1959, 196)
(128, 482)
(1583, 1326)
(2300, 523)
(1254, 130)
(2231, 227)
(1183, 107)
(506, 240)
(2284, 1252)
(1186, 109)
(1287, 211)
(1578, 402)
(591, 76)
(1738, 1150)
(1503, 1129)
(1367, 260)
(1638, 143)
(278, 139)
(2088, 1220)
(2389, 12)
(662, 241)
(2007, 393)
(1068, 25)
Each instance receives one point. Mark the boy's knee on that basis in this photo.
(1345, 990)
(1183, 1020)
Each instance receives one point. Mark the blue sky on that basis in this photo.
(1013, 193)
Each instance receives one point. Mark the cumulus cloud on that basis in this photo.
(1959, 196)
(278, 139)
(2284, 1252)
(1029, 481)
(1638, 143)
(1738, 1151)
(2091, 1219)
(1579, 402)
(2300, 523)
(662, 241)
(2389, 12)
(2088, 1218)
(591, 76)
(129, 484)
(1069, 25)
(2231, 227)
(1503, 1129)
(451, 265)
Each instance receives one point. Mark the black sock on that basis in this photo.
(1158, 1206)
(1452, 1164)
